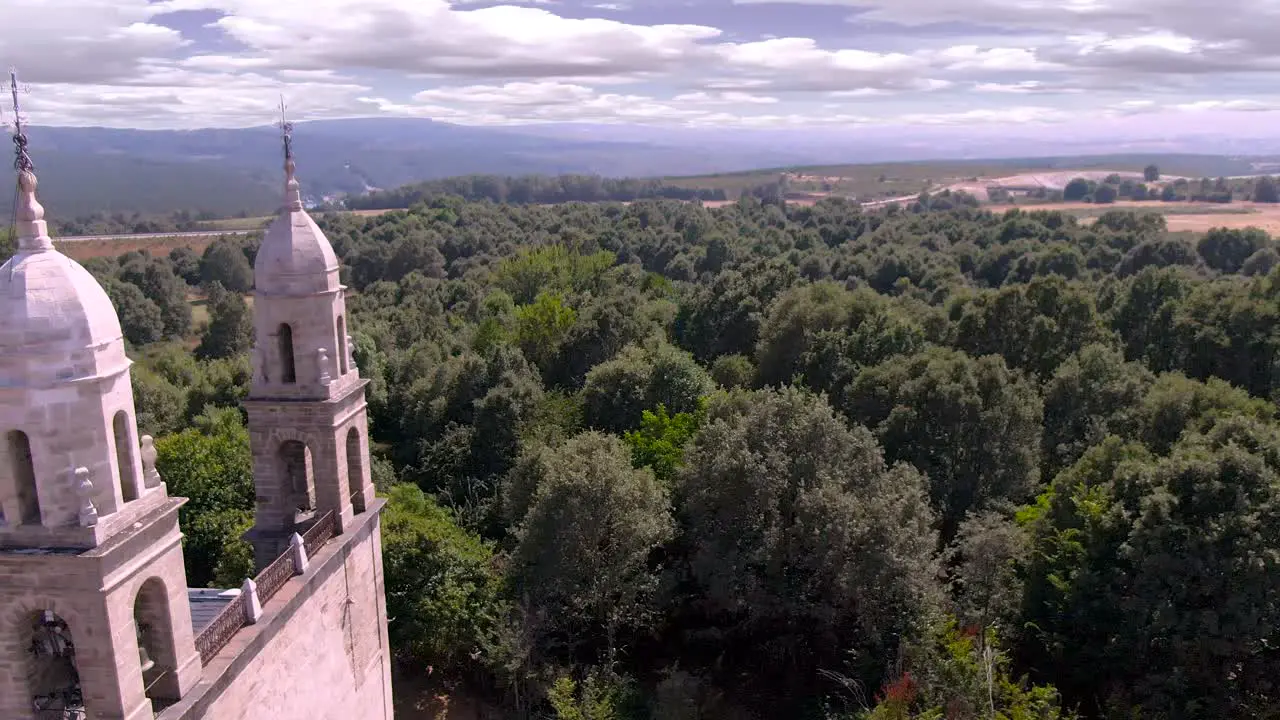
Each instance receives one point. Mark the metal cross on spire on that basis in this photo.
(22, 160)
(286, 130)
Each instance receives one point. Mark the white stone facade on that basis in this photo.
(90, 548)
(85, 540)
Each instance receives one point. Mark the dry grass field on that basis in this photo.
(86, 250)
(1181, 217)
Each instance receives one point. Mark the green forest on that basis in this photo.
(664, 461)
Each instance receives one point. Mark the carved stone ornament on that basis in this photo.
(84, 490)
(322, 360)
(351, 355)
(150, 475)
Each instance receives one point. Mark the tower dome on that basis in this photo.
(56, 322)
(295, 257)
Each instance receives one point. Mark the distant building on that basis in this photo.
(96, 620)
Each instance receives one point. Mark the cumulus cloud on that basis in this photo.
(1014, 115)
(521, 102)
(1026, 87)
(1168, 36)
(127, 62)
(1143, 107)
(171, 97)
(71, 41)
(433, 37)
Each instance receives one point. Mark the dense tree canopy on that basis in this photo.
(663, 460)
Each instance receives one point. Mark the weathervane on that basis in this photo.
(22, 160)
(286, 130)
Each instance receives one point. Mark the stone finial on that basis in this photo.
(33, 231)
(351, 355)
(150, 474)
(292, 190)
(298, 547)
(252, 605)
(322, 360)
(84, 490)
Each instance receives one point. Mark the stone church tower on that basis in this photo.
(93, 594)
(308, 423)
(96, 619)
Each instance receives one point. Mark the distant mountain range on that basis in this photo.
(84, 170)
(226, 171)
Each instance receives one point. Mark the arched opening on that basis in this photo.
(129, 485)
(298, 479)
(24, 478)
(288, 372)
(156, 654)
(355, 470)
(343, 365)
(52, 676)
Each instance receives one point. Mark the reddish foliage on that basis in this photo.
(901, 692)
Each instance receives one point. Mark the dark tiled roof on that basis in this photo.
(206, 604)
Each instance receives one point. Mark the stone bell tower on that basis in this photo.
(93, 594)
(308, 425)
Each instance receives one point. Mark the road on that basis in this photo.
(152, 236)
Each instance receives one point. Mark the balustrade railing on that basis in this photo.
(320, 533)
(231, 619)
(274, 576)
(218, 633)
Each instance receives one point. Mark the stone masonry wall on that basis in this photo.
(330, 660)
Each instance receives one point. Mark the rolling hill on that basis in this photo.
(229, 171)
(85, 170)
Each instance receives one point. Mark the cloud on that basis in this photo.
(432, 37)
(724, 98)
(150, 63)
(1227, 34)
(520, 103)
(1230, 105)
(1014, 115)
(550, 101)
(70, 41)
(173, 97)
(1025, 87)
(1142, 107)
(1225, 18)
(798, 64)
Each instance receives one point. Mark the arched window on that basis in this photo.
(24, 477)
(355, 470)
(156, 653)
(52, 676)
(288, 373)
(124, 457)
(298, 482)
(342, 346)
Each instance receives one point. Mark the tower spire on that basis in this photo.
(29, 223)
(292, 192)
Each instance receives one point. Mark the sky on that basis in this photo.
(1193, 65)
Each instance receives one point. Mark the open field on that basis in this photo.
(237, 224)
(882, 180)
(81, 250)
(865, 182)
(1181, 217)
